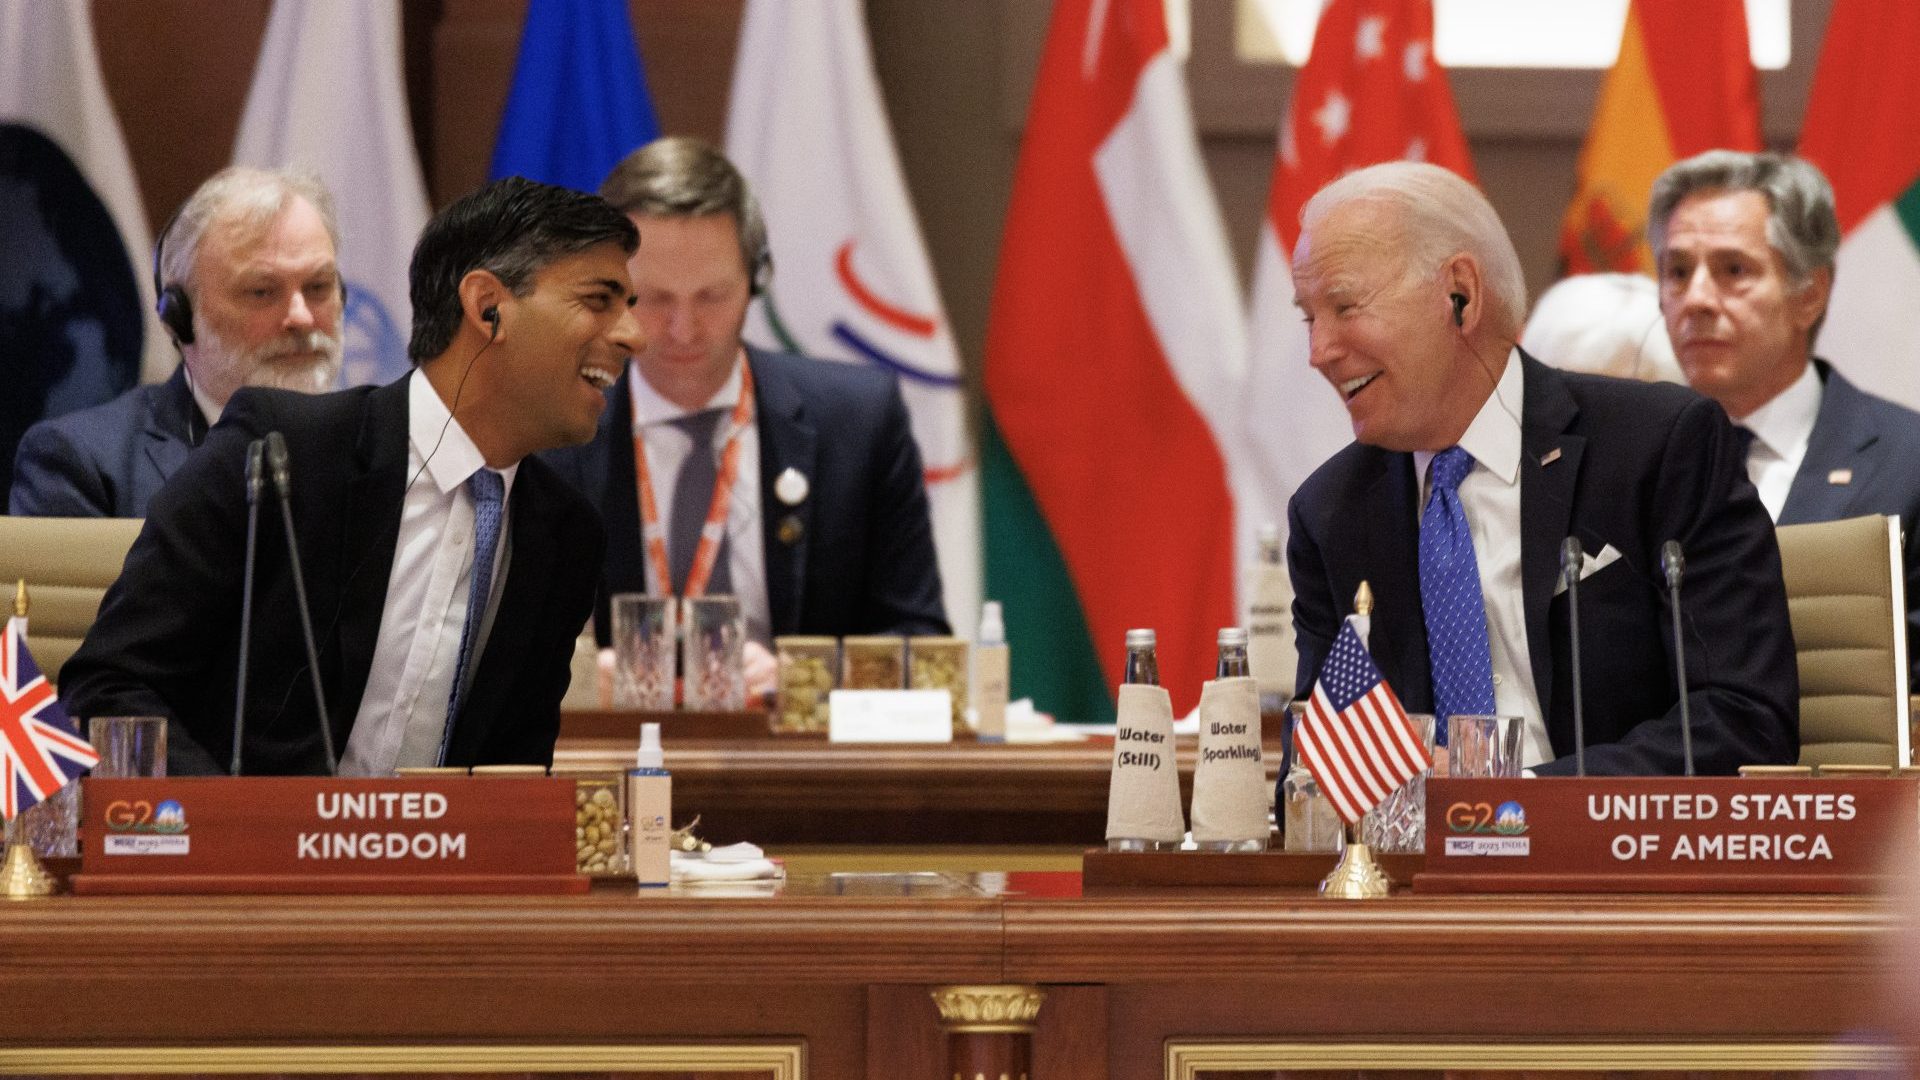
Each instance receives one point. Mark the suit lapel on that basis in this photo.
(172, 418)
(1399, 637)
(529, 568)
(374, 494)
(787, 441)
(1549, 469)
(1842, 435)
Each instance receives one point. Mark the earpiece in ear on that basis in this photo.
(492, 315)
(1459, 308)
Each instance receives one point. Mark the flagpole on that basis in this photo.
(21, 876)
(1357, 876)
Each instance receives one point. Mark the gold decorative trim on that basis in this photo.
(999, 1010)
(784, 1060)
(1187, 1059)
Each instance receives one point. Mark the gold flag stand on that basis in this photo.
(21, 876)
(1357, 876)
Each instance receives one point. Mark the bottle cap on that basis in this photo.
(993, 628)
(1232, 635)
(649, 756)
(1140, 639)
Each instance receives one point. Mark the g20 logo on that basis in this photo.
(1484, 818)
(139, 815)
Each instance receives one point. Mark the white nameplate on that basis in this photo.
(890, 716)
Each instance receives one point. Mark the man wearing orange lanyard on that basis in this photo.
(793, 484)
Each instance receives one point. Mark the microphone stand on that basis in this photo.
(255, 455)
(1571, 556)
(276, 450)
(1675, 564)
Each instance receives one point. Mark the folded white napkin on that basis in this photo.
(735, 862)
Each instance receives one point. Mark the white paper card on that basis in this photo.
(890, 716)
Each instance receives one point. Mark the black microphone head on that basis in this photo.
(1673, 562)
(1571, 556)
(256, 453)
(277, 461)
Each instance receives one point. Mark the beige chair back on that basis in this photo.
(67, 564)
(1846, 591)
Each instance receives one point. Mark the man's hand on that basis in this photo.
(762, 671)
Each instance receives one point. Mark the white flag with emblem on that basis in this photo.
(852, 278)
(328, 96)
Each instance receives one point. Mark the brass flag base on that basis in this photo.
(1357, 877)
(22, 877)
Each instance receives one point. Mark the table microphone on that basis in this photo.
(1570, 559)
(277, 467)
(255, 466)
(1675, 564)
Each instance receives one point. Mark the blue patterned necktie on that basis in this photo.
(1456, 613)
(488, 490)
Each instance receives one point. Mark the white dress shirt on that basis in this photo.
(667, 446)
(1781, 430)
(1490, 495)
(403, 714)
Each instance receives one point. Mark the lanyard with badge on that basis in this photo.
(715, 528)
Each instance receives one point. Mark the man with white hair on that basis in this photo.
(250, 290)
(1746, 246)
(1475, 462)
(1606, 324)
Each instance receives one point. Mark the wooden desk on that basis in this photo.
(1138, 985)
(804, 791)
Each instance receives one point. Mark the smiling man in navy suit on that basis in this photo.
(793, 484)
(1474, 462)
(1746, 245)
(250, 292)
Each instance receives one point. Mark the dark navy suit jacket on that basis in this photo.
(1863, 458)
(107, 460)
(1615, 463)
(856, 555)
(167, 639)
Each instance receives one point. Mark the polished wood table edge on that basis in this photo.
(1144, 938)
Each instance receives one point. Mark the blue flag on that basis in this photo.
(579, 99)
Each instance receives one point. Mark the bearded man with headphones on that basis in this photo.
(791, 483)
(249, 288)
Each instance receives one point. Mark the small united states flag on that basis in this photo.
(39, 749)
(1355, 737)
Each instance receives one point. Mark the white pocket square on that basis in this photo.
(1590, 564)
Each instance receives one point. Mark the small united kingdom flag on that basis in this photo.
(39, 748)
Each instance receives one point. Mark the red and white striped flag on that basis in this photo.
(1356, 738)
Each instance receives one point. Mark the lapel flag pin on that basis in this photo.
(1840, 476)
(1550, 456)
(790, 487)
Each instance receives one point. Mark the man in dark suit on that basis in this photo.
(249, 290)
(448, 572)
(1746, 247)
(1474, 463)
(823, 525)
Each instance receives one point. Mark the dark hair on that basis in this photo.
(511, 228)
(681, 176)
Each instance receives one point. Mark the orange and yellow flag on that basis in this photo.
(1683, 83)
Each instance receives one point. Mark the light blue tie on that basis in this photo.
(1456, 613)
(488, 489)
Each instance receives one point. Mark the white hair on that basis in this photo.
(1605, 324)
(239, 195)
(1444, 216)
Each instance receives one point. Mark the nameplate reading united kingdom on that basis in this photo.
(320, 835)
(1647, 834)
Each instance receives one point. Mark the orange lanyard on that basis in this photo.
(715, 529)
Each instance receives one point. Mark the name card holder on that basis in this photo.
(273, 834)
(1666, 835)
